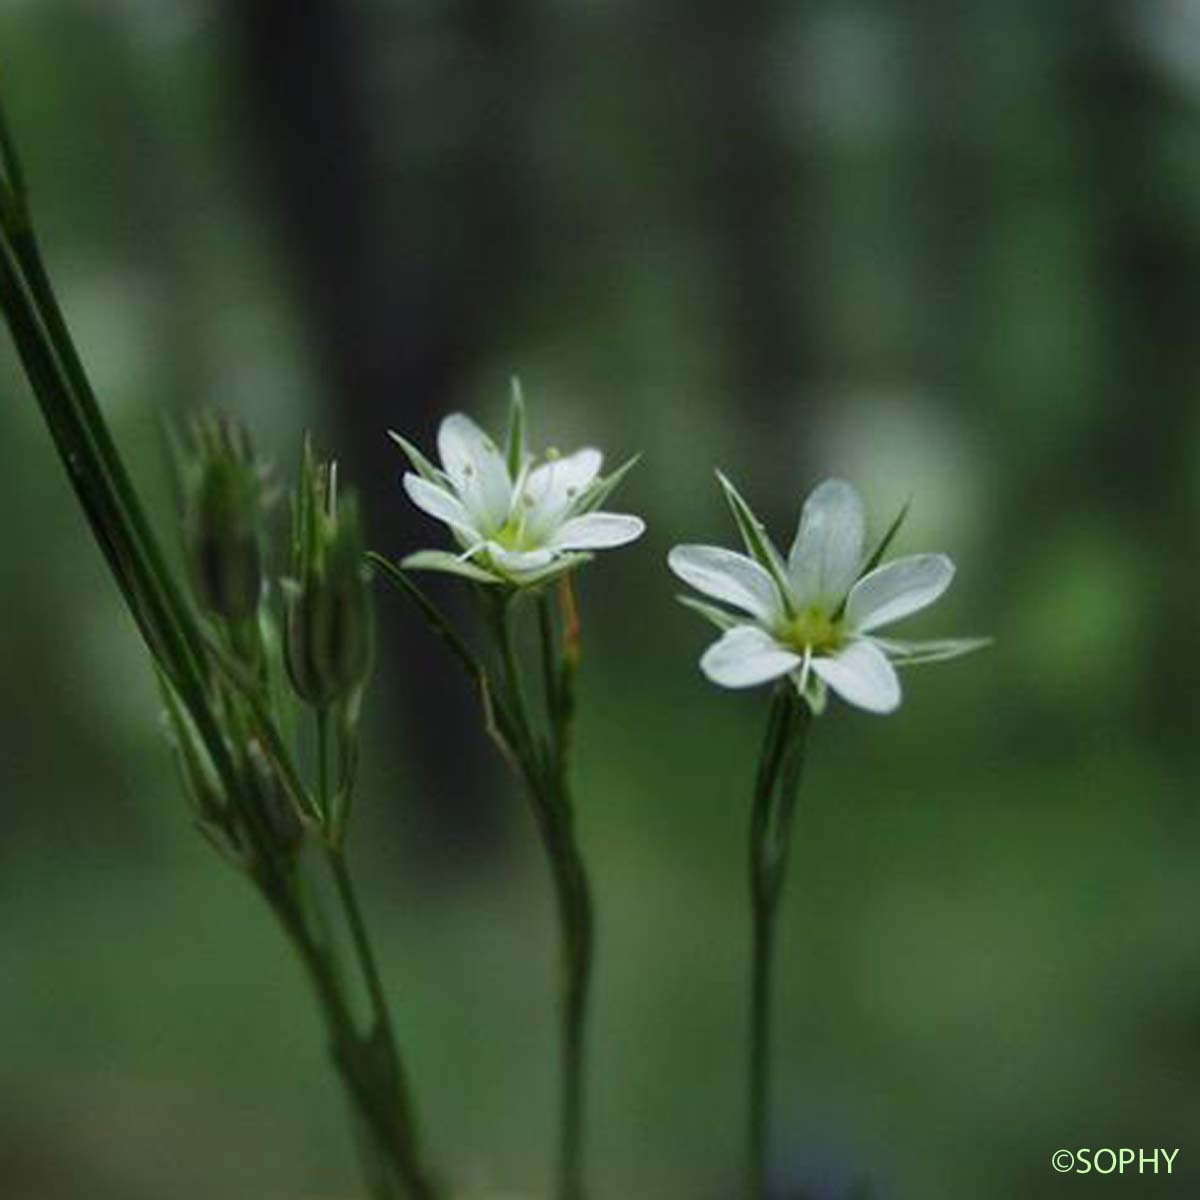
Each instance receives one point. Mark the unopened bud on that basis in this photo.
(223, 505)
(329, 626)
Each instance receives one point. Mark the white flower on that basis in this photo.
(814, 616)
(517, 521)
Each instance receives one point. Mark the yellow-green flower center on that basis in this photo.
(511, 535)
(814, 629)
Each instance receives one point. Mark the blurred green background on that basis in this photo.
(947, 250)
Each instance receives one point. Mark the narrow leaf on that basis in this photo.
(434, 617)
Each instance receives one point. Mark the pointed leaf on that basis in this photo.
(600, 490)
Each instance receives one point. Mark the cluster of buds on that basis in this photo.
(325, 650)
(328, 626)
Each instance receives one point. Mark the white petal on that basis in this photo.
(518, 562)
(897, 589)
(828, 550)
(476, 468)
(747, 656)
(861, 674)
(553, 488)
(560, 566)
(438, 502)
(732, 578)
(597, 531)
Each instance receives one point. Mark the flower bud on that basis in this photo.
(329, 622)
(223, 505)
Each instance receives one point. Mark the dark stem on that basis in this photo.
(779, 772)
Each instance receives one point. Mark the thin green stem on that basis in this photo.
(550, 674)
(577, 926)
(763, 930)
(780, 768)
(363, 950)
(397, 1118)
(575, 910)
(527, 750)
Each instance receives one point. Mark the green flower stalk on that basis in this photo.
(522, 527)
(218, 658)
(808, 624)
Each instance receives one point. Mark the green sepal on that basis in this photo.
(710, 612)
(758, 545)
(885, 542)
(420, 463)
(599, 490)
(912, 654)
(515, 449)
(876, 556)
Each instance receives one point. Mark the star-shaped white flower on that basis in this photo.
(814, 616)
(517, 521)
